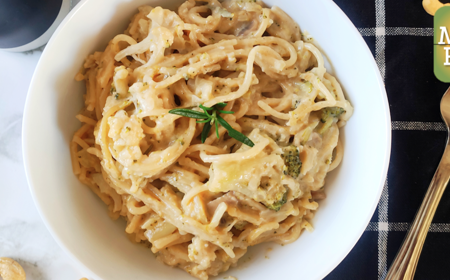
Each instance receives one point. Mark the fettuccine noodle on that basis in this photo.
(200, 205)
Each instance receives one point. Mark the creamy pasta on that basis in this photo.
(199, 204)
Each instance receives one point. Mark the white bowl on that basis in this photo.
(78, 220)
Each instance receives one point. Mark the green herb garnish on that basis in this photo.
(211, 116)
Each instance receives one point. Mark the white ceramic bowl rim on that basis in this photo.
(43, 142)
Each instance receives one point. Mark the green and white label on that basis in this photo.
(442, 44)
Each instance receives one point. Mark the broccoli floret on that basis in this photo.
(277, 205)
(328, 115)
(292, 162)
(333, 112)
(240, 225)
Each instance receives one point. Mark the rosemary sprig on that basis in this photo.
(211, 116)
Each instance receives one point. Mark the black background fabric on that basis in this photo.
(414, 95)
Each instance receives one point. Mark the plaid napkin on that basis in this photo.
(400, 35)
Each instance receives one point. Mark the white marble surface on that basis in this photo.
(23, 235)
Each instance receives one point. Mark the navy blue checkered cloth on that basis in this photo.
(400, 36)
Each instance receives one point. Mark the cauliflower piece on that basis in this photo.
(261, 182)
(201, 252)
(126, 132)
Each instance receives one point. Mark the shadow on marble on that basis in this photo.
(10, 140)
(32, 269)
(40, 49)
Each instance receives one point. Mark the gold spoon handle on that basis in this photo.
(405, 263)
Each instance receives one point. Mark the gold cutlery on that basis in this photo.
(405, 263)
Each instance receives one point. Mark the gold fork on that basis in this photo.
(405, 263)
